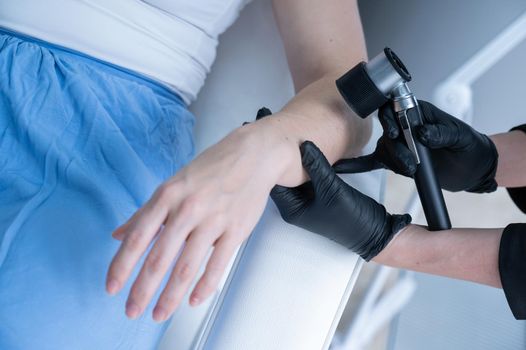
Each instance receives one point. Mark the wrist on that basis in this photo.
(276, 150)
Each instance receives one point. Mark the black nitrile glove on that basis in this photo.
(463, 159)
(328, 206)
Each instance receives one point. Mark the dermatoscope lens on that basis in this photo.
(397, 63)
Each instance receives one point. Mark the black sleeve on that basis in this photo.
(518, 194)
(512, 268)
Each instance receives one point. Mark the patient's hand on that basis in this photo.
(215, 201)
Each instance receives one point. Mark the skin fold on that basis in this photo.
(216, 201)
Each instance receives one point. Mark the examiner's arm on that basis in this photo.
(217, 199)
(461, 253)
(495, 257)
(511, 171)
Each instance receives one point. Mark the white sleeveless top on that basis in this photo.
(172, 41)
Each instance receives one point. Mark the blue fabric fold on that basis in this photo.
(83, 145)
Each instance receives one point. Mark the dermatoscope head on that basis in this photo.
(368, 86)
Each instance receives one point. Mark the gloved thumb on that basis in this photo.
(317, 167)
(357, 165)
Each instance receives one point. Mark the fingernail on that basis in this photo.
(195, 300)
(112, 286)
(132, 310)
(118, 234)
(159, 314)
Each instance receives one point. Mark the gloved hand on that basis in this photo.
(328, 206)
(464, 159)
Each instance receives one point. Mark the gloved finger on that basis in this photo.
(387, 117)
(357, 165)
(263, 112)
(428, 112)
(401, 160)
(282, 195)
(437, 135)
(291, 201)
(400, 221)
(317, 167)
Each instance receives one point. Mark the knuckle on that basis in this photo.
(165, 192)
(184, 272)
(138, 294)
(155, 263)
(133, 241)
(192, 205)
(169, 301)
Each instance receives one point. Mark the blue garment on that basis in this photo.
(83, 144)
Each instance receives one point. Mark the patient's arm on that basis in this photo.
(462, 253)
(322, 39)
(217, 199)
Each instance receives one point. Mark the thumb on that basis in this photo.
(437, 136)
(317, 167)
(357, 165)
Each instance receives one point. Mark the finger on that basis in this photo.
(437, 136)
(357, 165)
(120, 232)
(178, 227)
(290, 201)
(155, 266)
(317, 167)
(400, 221)
(138, 234)
(263, 112)
(387, 117)
(283, 196)
(187, 266)
(215, 268)
(287, 196)
(428, 109)
(404, 161)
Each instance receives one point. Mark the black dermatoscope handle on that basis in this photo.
(427, 184)
(367, 87)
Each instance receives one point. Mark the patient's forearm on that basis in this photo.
(322, 40)
(511, 170)
(467, 254)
